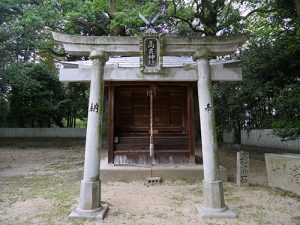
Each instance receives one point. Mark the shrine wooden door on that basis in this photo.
(132, 124)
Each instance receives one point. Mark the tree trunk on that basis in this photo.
(297, 2)
(112, 4)
(68, 121)
(49, 121)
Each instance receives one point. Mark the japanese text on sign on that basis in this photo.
(151, 52)
(243, 169)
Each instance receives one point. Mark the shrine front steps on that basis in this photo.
(126, 173)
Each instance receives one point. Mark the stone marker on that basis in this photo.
(242, 177)
(283, 171)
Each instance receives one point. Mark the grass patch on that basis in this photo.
(273, 191)
(259, 215)
(66, 166)
(125, 181)
(181, 182)
(142, 216)
(282, 193)
(117, 213)
(197, 191)
(6, 167)
(227, 189)
(235, 199)
(179, 200)
(61, 192)
(162, 216)
(67, 162)
(296, 220)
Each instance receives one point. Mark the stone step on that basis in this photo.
(186, 172)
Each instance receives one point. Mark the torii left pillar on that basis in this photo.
(90, 189)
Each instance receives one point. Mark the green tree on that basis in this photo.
(76, 102)
(287, 121)
(4, 101)
(24, 38)
(255, 103)
(230, 113)
(35, 97)
(270, 63)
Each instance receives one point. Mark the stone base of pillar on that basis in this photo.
(90, 195)
(213, 194)
(214, 206)
(97, 214)
(90, 205)
(209, 213)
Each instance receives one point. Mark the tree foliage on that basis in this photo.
(35, 97)
(268, 97)
(205, 17)
(75, 104)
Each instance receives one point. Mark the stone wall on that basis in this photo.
(265, 138)
(42, 137)
(42, 132)
(228, 137)
(283, 171)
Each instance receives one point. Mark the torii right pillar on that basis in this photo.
(214, 205)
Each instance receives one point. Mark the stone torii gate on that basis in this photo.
(201, 49)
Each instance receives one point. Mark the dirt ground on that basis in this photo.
(40, 186)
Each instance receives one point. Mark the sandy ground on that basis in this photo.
(40, 186)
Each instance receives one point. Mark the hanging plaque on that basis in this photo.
(151, 53)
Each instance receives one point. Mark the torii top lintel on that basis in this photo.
(130, 46)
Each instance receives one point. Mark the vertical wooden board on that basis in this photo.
(110, 124)
(191, 122)
(124, 100)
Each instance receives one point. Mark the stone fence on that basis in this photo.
(42, 132)
(265, 138)
(228, 137)
(262, 138)
(283, 171)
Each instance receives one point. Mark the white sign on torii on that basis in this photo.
(201, 50)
